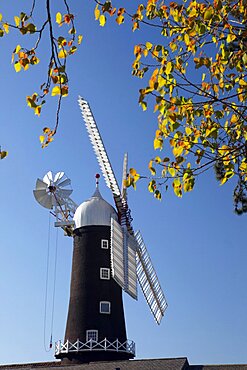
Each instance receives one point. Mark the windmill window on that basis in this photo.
(92, 335)
(104, 273)
(105, 307)
(104, 244)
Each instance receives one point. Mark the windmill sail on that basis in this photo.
(117, 253)
(104, 162)
(123, 258)
(98, 147)
(149, 282)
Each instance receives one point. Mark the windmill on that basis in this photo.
(108, 257)
(128, 248)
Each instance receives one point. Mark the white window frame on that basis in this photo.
(105, 273)
(104, 244)
(100, 307)
(92, 331)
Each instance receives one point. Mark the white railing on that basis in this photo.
(92, 345)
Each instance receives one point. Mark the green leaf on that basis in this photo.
(244, 58)
(208, 14)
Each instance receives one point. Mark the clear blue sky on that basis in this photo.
(197, 244)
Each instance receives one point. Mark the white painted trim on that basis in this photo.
(90, 331)
(104, 345)
(106, 242)
(109, 305)
(102, 270)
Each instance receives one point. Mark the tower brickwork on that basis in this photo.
(95, 322)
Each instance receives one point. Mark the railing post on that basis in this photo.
(105, 343)
(67, 345)
(57, 348)
(117, 345)
(91, 344)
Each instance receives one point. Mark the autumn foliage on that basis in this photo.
(63, 43)
(195, 78)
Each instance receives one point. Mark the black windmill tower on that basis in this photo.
(108, 257)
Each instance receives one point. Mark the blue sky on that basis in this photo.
(197, 243)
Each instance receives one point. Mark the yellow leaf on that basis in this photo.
(136, 177)
(59, 18)
(173, 46)
(172, 171)
(46, 130)
(242, 82)
(243, 166)
(17, 66)
(72, 50)
(6, 27)
(149, 45)
(145, 52)
(1, 17)
(80, 37)
(41, 139)
(157, 194)
(158, 143)
(193, 13)
(17, 49)
(17, 21)
(230, 37)
(96, 13)
(132, 172)
(177, 187)
(26, 66)
(143, 104)
(177, 151)
(186, 39)
(234, 119)
(168, 68)
(157, 159)
(102, 20)
(37, 110)
(188, 130)
(56, 91)
(62, 54)
(135, 26)
(120, 19)
(152, 186)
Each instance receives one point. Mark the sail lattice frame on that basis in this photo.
(148, 281)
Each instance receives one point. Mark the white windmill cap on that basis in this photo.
(94, 211)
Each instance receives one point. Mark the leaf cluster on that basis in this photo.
(196, 81)
(62, 45)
